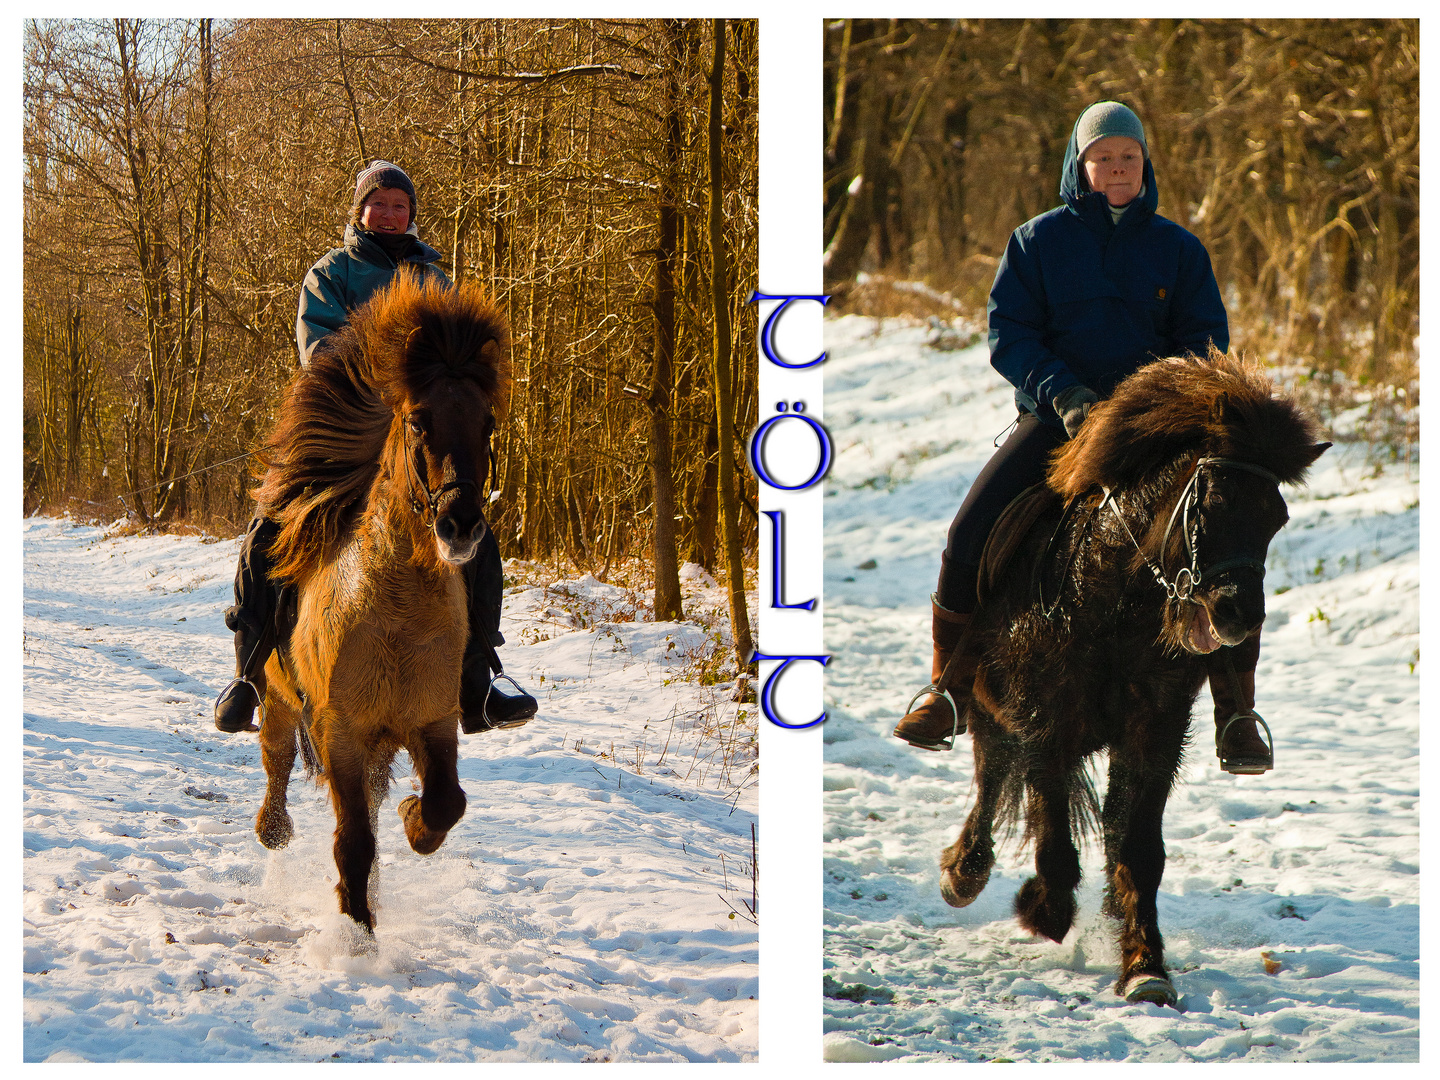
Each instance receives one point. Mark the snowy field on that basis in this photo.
(580, 911)
(1290, 904)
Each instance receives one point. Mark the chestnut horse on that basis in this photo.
(375, 475)
(1094, 635)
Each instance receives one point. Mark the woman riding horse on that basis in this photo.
(380, 239)
(1084, 295)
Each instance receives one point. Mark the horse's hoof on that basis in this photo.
(1156, 989)
(959, 890)
(1044, 911)
(274, 830)
(422, 840)
(963, 879)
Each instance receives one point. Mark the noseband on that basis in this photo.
(432, 498)
(1186, 512)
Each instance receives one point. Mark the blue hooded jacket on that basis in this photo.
(1081, 299)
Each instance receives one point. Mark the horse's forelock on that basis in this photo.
(421, 332)
(1218, 403)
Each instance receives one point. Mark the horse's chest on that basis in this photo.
(389, 642)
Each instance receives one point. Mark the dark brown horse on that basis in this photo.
(1095, 633)
(376, 471)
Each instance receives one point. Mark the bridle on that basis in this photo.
(1186, 512)
(432, 497)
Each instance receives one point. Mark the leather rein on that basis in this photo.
(1186, 513)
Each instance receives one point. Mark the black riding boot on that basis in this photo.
(483, 706)
(252, 618)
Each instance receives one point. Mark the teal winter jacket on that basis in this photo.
(347, 277)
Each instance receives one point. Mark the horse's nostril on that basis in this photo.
(447, 528)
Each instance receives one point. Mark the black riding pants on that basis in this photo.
(1018, 464)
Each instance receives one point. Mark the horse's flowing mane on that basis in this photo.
(1220, 404)
(337, 414)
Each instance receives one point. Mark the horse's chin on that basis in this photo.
(455, 555)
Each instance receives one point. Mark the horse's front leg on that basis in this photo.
(354, 838)
(277, 751)
(1045, 904)
(965, 865)
(1135, 862)
(433, 749)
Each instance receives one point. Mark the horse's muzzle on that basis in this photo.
(454, 543)
(1211, 626)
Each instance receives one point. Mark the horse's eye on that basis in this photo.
(416, 427)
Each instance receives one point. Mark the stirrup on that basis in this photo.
(955, 729)
(240, 680)
(1240, 766)
(487, 722)
(518, 688)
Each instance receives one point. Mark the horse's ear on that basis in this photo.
(1313, 453)
(490, 352)
(1218, 408)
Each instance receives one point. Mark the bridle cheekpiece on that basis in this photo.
(1186, 512)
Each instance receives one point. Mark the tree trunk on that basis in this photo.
(857, 220)
(720, 369)
(662, 376)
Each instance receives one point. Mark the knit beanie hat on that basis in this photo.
(1108, 118)
(380, 174)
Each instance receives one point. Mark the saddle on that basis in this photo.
(1009, 532)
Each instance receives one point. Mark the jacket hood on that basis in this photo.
(1076, 193)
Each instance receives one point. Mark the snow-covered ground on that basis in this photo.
(1290, 904)
(581, 910)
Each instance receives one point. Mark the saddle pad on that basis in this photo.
(1010, 530)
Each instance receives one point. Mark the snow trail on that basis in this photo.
(579, 911)
(1290, 903)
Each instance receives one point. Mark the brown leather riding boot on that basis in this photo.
(1241, 748)
(941, 718)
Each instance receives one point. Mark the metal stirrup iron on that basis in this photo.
(955, 729)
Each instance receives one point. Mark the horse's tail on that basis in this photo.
(1080, 791)
(308, 754)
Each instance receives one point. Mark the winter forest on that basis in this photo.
(600, 178)
(1291, 148)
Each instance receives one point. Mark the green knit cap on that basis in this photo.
(1108, 118)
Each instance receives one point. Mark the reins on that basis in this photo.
(1048, 610)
